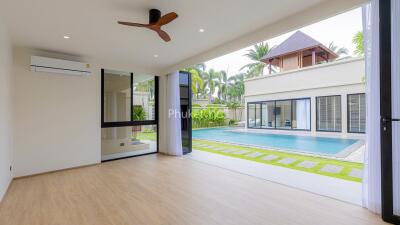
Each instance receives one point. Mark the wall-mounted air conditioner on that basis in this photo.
(50, 65)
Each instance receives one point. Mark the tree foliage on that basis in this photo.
(358, 40)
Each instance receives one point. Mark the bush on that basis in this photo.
(209, 117)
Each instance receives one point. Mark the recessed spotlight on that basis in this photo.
(201, 30)
(155, 56)
(66, 37)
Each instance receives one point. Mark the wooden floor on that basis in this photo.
(163, 190)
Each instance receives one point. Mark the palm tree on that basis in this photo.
(235, 90)
(339, 51)
(256, 68)
(197, 78)
(210, 81)
(197, 81)
(222, 84)
(358, 40)
(233, 106)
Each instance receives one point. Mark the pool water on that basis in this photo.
(316, 145)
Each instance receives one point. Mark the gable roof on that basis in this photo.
(298, 41)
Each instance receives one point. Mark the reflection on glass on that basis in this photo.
(143, 97)
(301, 114)
(252, 114)
(283, 113)
(258, 116)
(117, 96)
(267, 115)
(119, 142)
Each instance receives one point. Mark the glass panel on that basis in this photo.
(356, 113)
(283, 113)
(117, 96)
(183, 79)
(329, 113)
(251, 114)
(267, 114)
(301, 114)
(258, 116)
(119, 142)
(143, 97)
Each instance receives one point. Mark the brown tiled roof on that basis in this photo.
(298, 41)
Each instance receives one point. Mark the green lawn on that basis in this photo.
(211, 145)
(343, 174)
(151, 136)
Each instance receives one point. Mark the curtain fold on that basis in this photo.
(170, 115)
(372, 165)
(395, 14)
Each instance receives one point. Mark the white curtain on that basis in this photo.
(395, 5)
(170, 115)
(372, 166)
(303, 114)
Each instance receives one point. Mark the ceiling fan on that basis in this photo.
(155, 22)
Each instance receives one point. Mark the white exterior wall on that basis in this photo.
(337, 78)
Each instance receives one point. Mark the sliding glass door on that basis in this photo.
(129, 117)
(390, 109)
(292, 114)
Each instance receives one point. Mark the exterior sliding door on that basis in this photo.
(129, 117)
(390, 109)
(291, 114)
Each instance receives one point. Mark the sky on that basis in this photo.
(340, 29)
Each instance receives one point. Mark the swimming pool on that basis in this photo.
(314, 145)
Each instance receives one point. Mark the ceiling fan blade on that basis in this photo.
(133, 24)
(163, 35)
(167, 18)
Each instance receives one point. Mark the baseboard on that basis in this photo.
(55, 171)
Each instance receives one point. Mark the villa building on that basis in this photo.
(312, 93)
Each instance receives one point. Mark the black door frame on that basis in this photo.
(386, 112)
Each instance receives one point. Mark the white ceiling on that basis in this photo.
(95, 33)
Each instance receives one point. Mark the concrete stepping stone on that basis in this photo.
(254, 154)
(357, 173)
(202, 145)
(228, 150)
(331, 169)
(219, 149)
(269, 157)
(240, 152)
(307, 164)
(286, 161)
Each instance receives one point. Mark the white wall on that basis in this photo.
(337, 78)
(57, 117)
(6, 101)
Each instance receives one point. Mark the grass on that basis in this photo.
(151, 136)
(347, 166)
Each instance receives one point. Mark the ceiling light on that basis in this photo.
(155, 56)
(201, 30)
(66, 37)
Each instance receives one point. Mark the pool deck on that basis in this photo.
(343, 190)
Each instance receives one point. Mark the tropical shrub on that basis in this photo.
(209, 117)
(138, 113)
